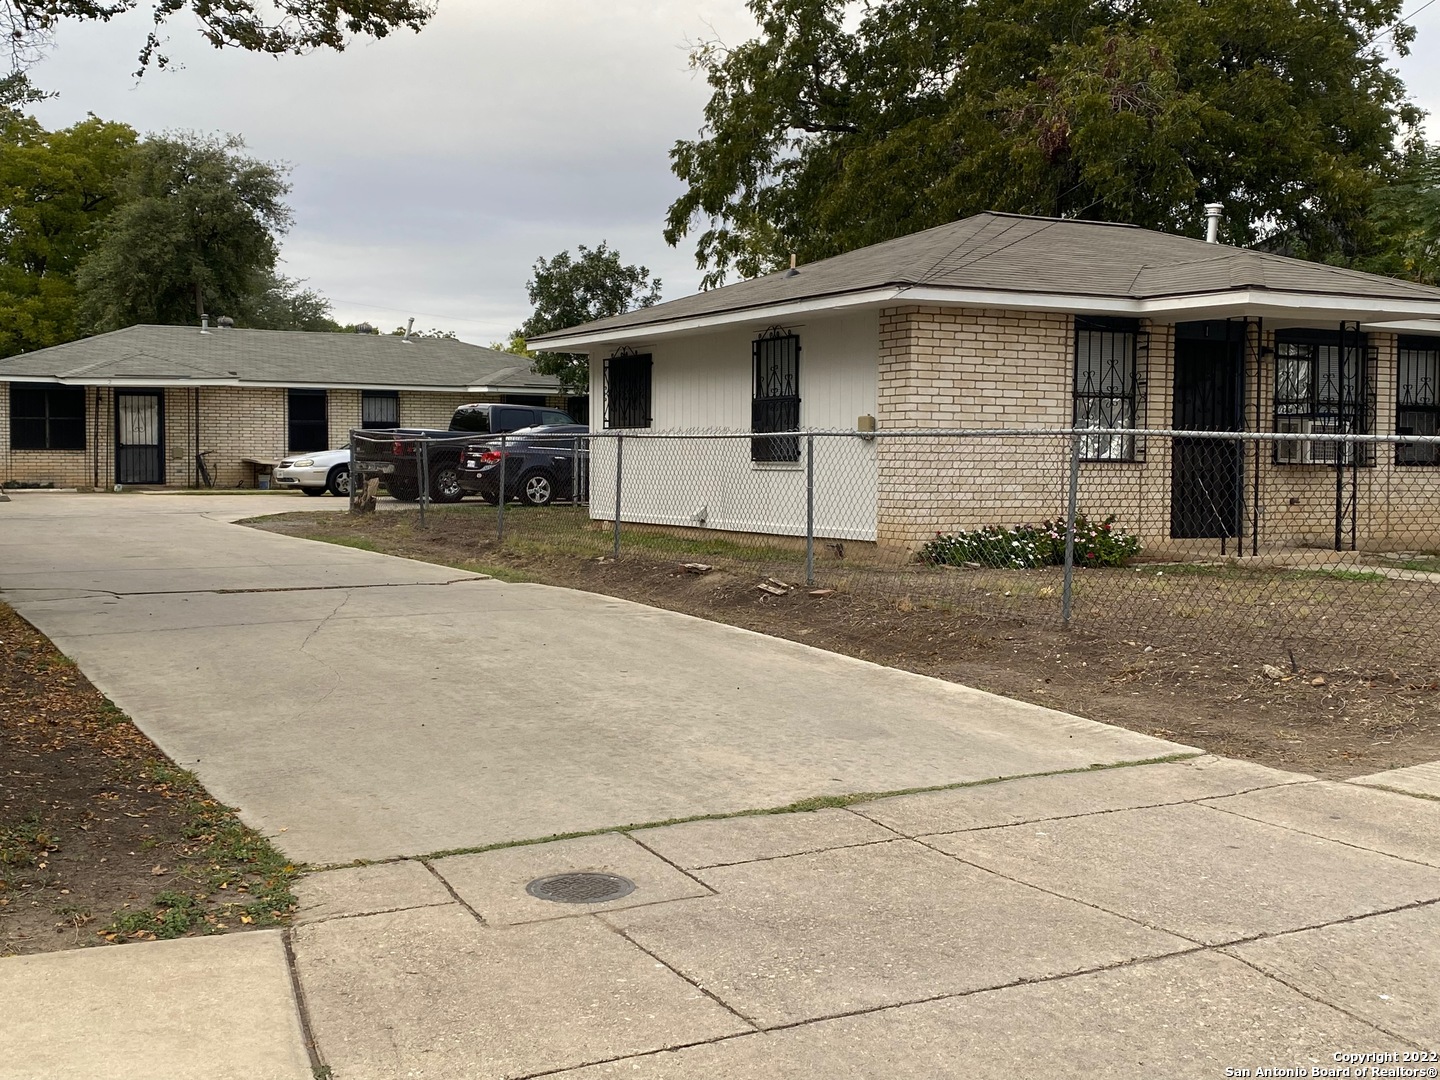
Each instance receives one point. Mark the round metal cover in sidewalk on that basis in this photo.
(581, 888)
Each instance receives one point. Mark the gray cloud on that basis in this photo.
(431, 170)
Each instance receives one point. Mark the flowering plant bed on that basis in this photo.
(1025, 547)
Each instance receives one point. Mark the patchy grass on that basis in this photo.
(102, 838)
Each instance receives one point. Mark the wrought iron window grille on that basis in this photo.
(1323, 387)
(1417, 399)
(1111, 379)
(626, 389)
(775, 404)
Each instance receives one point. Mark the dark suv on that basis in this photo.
(541, 465)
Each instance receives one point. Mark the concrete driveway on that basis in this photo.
(1175, 919)
(358, 706)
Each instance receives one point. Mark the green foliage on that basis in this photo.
(1028, 546)
(836, 128)
(57, 190)
(515, 345)
(572, 289)
(283, 26)
(196, 233)
(1406, 216)
(277, 302)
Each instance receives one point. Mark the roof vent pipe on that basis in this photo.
(204, 324)
(792, 271)
(1212, 222)
(409, 326)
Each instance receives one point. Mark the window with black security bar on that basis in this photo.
(1321, 388)
(776, 402)
(626, 389)
(309, 421)
(1417, 399)
(379, 409)
(47, 417)
(1107, 382)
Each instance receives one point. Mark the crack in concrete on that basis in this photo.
(98, 592)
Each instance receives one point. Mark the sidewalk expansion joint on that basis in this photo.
(1328, 1004)
(671, 863)
(1198, 800)
(302, 1008)
(1319, 836)
(600, 917)
(425, 862)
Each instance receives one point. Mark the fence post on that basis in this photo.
(500, 498)
(422, 475)
(352, 467)
(619, 469)
(1067, 594)
(810, 509)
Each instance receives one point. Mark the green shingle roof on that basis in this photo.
(1018, 254)
(183, 354)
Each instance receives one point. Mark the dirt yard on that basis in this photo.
(103, 839)
(1246, 692)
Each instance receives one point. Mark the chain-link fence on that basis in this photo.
(1323, 544)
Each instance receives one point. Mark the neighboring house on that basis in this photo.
(1006, 321)
(136, 406)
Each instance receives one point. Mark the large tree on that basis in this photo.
(838, 127)
(57, 190)
(197, 233)
(276, 302)
(270, 26)
(572, 289)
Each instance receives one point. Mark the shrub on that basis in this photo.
(1027, 546)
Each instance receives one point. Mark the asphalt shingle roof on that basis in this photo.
(1015, 253)
(280, 358)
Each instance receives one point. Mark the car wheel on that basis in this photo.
(537, 489)
(338, 482)
(445, 483)
(313, 491)
(403, 490)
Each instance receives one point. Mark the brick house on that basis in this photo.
(135, 406)
(1007, 321)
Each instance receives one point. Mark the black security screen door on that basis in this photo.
(1205, 474)
(139, 437)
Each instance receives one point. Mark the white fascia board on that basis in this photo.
(766, 313)
(119, 382)
(1409, 326)
(546, 390)
(1336, 306)
(1296, 302)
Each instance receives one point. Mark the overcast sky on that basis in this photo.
(431, 170)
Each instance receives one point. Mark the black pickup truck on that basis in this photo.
(393, 453)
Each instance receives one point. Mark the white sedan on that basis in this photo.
(316, 473)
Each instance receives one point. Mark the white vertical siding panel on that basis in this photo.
(702, 383)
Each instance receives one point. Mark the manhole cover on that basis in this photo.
(581, 888)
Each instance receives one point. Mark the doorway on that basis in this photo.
(1206, 475)
(139, 437)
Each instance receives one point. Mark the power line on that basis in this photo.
(1399, 22)
(409, 311)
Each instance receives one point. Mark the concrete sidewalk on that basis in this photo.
(1165, 919)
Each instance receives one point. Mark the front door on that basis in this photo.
(139, 437)
(1205, 474)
